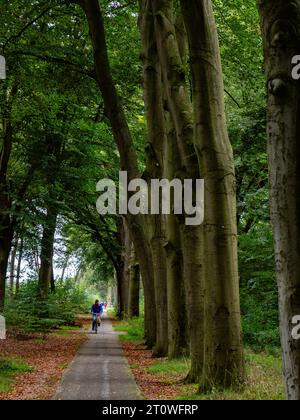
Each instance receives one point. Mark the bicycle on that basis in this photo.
(95, 322)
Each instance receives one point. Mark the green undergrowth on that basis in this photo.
(263, 382)
(177, 366)
(65, 330)
(9, 368)
(263, 371)
(134, 329)
(26, 314)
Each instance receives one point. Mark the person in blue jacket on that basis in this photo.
(97, 308)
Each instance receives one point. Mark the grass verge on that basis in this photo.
(264, 372)
(263, 382)
(65, 331)
(134, 329)
(9, 368)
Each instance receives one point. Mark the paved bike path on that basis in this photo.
(99, 370)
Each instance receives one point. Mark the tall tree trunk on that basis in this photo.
(119, 277)
(52, 280)
(224, 363)
(47, 250)
(160, 283)
(134, 286)
(6, 225)
(18, 275)
(12, 266)
(280, 23)
(177, 313)
(6, 237)
(144, 257)
(155, 164)
(109, 296)
(126, 256)
(180, 108)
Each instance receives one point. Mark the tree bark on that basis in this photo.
(180, 108)
(280, 23)
(127, 258)
(124, 264)
(18, 275)
(12, 266)
(152, 81)
(119, 277)
(224, 363)
(46, 258)
(177, 312)
(6, 237)
(6, 225)
(134, 286)
(52, 280)
(144, 257)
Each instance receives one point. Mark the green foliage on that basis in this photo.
(27, 314)
(174, 366)
(264, 382)
(134, 329)
(68, 301)
(259, 296)
(9, 368)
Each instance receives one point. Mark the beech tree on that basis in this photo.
(280, 22)
(223, 345)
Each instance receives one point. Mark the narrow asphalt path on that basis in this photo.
(99, 371)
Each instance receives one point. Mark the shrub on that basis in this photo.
(26, 313)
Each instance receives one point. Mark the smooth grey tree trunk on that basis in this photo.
(280, 24)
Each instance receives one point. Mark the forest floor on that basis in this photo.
(160, 379)
(31, 367)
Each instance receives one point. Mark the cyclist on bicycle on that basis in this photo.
(96, 309)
